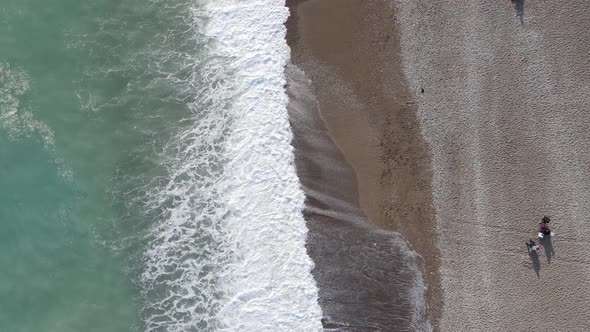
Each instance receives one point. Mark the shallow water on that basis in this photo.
(60, 272)
(146, 173)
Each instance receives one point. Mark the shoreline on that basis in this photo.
(356, 75)
(367, 279)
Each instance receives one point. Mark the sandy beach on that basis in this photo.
(506, 113)
(463, 124)
(357, 81)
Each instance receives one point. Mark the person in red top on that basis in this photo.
(544, 227)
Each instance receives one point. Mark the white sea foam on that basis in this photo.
(229, 250)
(268, 279)
(15, 119)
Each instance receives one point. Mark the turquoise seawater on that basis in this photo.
(91, 94)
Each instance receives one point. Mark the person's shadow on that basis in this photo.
(547, 247)
(519, 7)
(535, 260)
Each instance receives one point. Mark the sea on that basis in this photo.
(147, 177)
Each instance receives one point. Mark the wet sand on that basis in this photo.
(379, 179)
(368, 279)
(506, 111)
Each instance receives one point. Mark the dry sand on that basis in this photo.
(506, 111)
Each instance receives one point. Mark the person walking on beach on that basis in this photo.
(544, 229)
